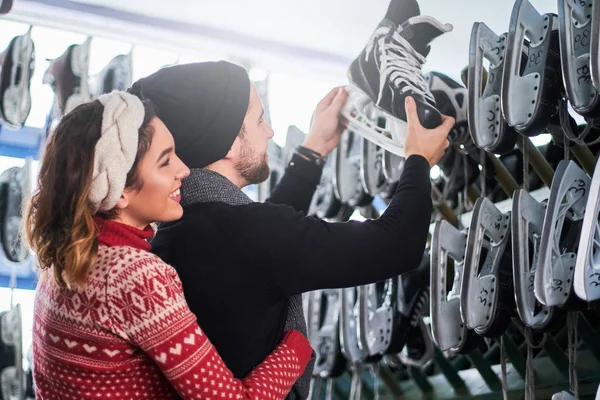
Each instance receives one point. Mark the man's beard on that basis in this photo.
(251, 168)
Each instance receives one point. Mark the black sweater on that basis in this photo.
(240, 264)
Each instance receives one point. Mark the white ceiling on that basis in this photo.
(332, 29)
(339, 27)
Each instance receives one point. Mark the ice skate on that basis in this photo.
(388, 70)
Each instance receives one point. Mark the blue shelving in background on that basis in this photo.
(20, 143)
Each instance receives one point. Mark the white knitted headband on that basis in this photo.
(116, 150)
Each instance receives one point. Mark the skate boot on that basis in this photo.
(410, 303)
(388, 70)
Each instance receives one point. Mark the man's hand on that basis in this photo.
(429, 143)
(326, 129)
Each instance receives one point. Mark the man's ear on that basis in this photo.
(235, 150)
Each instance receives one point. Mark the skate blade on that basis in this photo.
(484, 288)
(574, 21)
(586, 281)
(376, 316)
(595, 46)
(448, 329)
(524, 96)
(356, 112)
(555, 265)
(527, 221)
(489, 129)
(349, 326)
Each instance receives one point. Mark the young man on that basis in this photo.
(244, 265)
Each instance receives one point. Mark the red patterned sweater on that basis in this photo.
(130, 335)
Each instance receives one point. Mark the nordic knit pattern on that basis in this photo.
(130, 335)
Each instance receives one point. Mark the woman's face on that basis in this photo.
(161, 172)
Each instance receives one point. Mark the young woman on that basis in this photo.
(111, 321)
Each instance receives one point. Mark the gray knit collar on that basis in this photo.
(204, 186)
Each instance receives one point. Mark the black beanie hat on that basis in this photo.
(202, 104)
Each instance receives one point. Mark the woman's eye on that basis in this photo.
(167, 162)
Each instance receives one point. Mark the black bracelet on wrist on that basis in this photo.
(310, 155)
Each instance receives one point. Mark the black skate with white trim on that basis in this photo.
(388, 70)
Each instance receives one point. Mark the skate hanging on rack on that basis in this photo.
(560, 234)
(448, 246)
(595, 44)
(323, 318)
(324, 203)
(527, 220)
(451, 99)
(530, 93)
(349, 315)
(388, 70)
(67, 75)
(16, 68)
(372, 173)
(586, 280)
(487, 296)
(347, 183)
(411, 340)
(15, 189)
(488, 127)
(349, 340)
(376, 316)
(575, 20)
(116, 75)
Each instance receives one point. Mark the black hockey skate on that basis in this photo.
(388, 70)
(411, 339)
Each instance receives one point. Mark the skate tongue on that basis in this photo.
(401, 11)
(421, 30)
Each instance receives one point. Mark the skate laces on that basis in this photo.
(400, 63)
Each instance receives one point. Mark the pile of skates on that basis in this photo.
(512, 264)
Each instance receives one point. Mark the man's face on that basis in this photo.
(253, 162)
